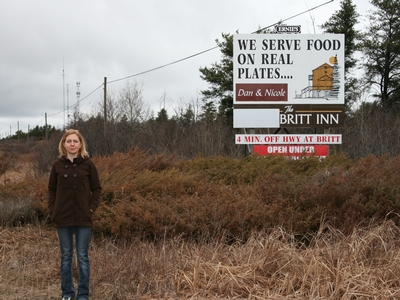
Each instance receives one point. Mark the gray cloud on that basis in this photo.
(94, 39)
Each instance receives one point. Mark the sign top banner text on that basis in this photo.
(288, 69)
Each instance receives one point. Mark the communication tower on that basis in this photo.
(78, 95)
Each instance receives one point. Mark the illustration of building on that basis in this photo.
(323, 83)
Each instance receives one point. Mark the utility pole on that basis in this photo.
(67, 123)
(105, 104)
(45, 125)
(63, 75)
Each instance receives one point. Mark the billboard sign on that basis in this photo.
(289, 69)
(301, 76)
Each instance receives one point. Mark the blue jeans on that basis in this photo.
(82, 238)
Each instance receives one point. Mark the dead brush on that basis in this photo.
(15, 211)
(269, 265)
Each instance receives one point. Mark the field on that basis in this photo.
(363, 265)
(214, 228)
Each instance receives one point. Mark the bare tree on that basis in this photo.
(131, 104)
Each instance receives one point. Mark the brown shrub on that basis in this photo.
(158, 196)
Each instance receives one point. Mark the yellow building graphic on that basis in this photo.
(322, 79)
(323, 83)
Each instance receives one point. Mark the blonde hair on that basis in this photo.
(82, 151)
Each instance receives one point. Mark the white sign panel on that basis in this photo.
(288, 69)
(256, 118)
(277, 139)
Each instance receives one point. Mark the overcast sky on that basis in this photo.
(49, 44)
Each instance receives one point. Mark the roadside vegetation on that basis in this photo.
(216, 227)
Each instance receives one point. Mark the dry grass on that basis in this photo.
(362, 265)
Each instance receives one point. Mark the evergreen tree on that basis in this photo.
(187, 117)
(381, 49)
(209, 114)
(220, 77)
(344, 21)
(162, 116)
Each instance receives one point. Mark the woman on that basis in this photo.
(74, 195)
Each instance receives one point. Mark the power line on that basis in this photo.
(193, 55)
(281, 21)
(163, 66)
(86, 109)
(72, 106)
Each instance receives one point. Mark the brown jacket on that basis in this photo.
(74, 192)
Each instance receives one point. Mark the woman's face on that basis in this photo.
(72, 144)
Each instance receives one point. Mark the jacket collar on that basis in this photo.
(77, 160)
